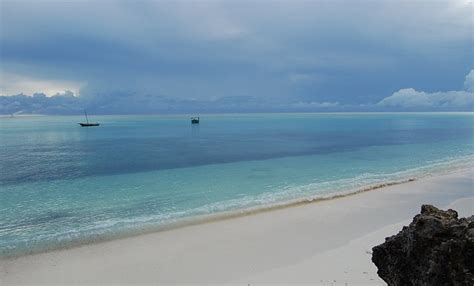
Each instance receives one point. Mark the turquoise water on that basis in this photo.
(61, 184)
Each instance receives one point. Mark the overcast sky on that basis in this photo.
(241, 55)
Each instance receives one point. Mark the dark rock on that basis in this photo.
(437, 248)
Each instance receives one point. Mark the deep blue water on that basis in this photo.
(60, 183)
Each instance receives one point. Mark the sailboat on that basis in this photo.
(88, 124)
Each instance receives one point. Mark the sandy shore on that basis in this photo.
(323, 243)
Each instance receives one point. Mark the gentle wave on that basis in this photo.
(337, 188)
(285, 197)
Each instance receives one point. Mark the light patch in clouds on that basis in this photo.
(442, 100)
(15, 84)
(469, 81)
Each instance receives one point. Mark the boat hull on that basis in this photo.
(89, 124)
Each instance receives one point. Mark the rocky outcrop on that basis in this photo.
(437, 248)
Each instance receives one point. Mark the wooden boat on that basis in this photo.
(88, 124)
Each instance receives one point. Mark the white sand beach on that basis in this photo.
(321, 243)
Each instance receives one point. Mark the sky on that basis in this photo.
(144, 57)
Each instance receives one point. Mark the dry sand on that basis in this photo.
(322, 243)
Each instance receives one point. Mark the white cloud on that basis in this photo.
(444, 100)
(11, 84)
(469, 81)
(409, 97)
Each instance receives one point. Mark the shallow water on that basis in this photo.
(61, 184)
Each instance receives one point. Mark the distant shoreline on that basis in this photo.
(246, 113)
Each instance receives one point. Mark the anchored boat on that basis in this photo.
(88, 124)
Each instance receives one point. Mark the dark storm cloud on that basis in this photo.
(234, 56)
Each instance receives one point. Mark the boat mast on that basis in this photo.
(86, 116)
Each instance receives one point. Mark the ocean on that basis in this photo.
(62, 184)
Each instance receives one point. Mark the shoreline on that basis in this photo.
(267, 247)
(232, 214)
